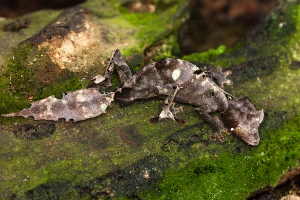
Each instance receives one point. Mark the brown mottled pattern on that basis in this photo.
(78, 105)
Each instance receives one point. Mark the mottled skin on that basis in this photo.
(77, 106)
(181, 81)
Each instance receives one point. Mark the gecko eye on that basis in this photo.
(199, 71)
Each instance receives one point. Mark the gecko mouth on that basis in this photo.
(252, 139)
(242, 118)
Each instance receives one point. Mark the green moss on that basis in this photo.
(199, 169)
(163, 23)
(29, 75)
(68, 151)
(103, 8)
(141, 20)
(206, 57)
(62, 86)
(233, 175)
(15, 79)
(236, 171)
(272, 38)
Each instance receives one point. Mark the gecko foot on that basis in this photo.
(168, 109)
(219, 77)
(214, 136)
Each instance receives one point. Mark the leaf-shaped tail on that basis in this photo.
(78, 105)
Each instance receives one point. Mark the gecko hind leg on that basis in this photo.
(168, 109)
(122, 69)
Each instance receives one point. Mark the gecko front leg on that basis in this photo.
(168, 109)
(216, 125)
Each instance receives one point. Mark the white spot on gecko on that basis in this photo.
(176, 74)
(103, 107)
(205, 81)
(214, 88)
(180, 61)
(80, 98)
(195, 68)
(49, 107)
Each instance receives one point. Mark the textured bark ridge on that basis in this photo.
(78, 105)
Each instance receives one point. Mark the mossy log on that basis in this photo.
(120, 154)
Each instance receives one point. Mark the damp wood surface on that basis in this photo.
(122, 155)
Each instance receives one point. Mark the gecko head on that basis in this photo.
(243, 120)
